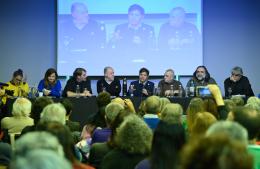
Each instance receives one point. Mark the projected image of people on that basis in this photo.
(129, 34)
(80, 37)
(134, 38)
(178, 35)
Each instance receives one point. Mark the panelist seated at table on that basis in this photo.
(109, 83)
(237, 84)
(169, 86)
(78, 85)
(16, 87)
(50, 85)
(201, 77)
(141, 87)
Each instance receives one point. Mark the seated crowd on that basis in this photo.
(212, 132)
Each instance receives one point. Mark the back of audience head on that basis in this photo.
(68, 106)
(163, 102)
(54, 112)
(195, 106)
(172, 113)
(238, 100)
(112, 110)
(40, 159)
(103, 99)
(254, 103)
(116, 123)
(216, 152)
(38, 106)
(211, 106)
(22, 107)
(201, 123)
(64, 136)
(167, 142)
(229, 105)
(152, 105)
(134, 136)
(6, 154)
(37, 140)
(232, 129)
(248, 118)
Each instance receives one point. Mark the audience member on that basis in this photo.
(72, 125)
(54, 112)
(5, 155)
(99, 150)
(50, 85)
(167, 143)
(218, 151)
(111, 111)
(133, 142)
(38, 105)
(65, 138)
(202, 122)
(109, 83)
(20, 119)
(172, 113)
(152, 108)
(237, 84)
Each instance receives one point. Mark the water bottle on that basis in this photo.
(180, 91)
(192, 89)
(124, 86)
(229, 92)
(171, 93)
(77, 91)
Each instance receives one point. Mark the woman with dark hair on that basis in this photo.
(64, 136)
(50, 85)
(201, 77)
(167, 142)
(16, 87)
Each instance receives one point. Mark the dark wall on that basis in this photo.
(231, 37)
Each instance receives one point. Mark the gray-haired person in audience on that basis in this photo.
(232, 129)
(54, 112)
(39, 150)
(21, 112)
(172, 113)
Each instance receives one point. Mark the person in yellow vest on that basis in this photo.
(16, 87)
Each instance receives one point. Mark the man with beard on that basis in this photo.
(169, 86)
(201, 77)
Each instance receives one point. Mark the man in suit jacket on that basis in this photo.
(141, 87)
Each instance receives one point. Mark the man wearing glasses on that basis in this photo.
(237, 84)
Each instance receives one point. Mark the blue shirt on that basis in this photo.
(55, 89)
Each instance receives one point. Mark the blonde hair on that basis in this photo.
(54, 112)
(112, 110)
(22, 107)
(172, 113)
(201, 123)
